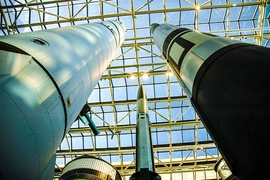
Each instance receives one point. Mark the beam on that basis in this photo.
(150, 100)
(130, 150)
(134, 13)
(133, 127)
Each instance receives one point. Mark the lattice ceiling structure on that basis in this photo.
(182, 147)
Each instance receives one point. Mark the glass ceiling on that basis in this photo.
(182, 147)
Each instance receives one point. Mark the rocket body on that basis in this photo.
(144, 149)
(145, 166)
(45, 79)
(228, 84)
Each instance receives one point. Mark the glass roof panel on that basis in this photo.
(219, 27)
(161, 90)
(163, 155)
(217, 15)
(123, 108)
(132, 92)
(108, 8)
(127, 21)
(203, 15)
(126, 140)
(142, 32)
(132, 81)
(149, 91)
(235, 1)
(247, 12)
(108, 116)
(172, 4)
(139, 4)
(218, 2)
(103, 84)
(158, 4)
(105, 94)
(187, 17)
(128, 158)
(94, 97)
(142, 21)
(173, 17)
(124, 4)
(204, 27)
(187, 3)
(144, 60)
(163, 137)
(234, 13)
(174, 89)
(118, 82)
(130, 33)
(245, 24)
(101, 141)
(176, 137)
(97, 118)
(146, 78)
(156, 18)
(189, 114)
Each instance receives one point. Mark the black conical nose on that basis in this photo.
(153, 27)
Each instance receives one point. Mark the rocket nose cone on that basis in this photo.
(141, 93)
(153, 27)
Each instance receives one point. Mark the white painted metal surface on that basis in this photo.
(45, 79)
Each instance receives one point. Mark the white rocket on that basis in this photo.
(45, 79)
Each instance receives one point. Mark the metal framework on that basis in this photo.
(182, 147)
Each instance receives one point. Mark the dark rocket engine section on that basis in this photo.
(228, 84)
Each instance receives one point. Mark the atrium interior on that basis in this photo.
(182, 147)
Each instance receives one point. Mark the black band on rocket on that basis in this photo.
(169, 38)
(7, 47)
(187, 45)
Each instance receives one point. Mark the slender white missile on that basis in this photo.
(145, 166)
(228, 84)
(144, 150)
(45, 79)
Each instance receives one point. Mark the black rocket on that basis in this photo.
(228, 83)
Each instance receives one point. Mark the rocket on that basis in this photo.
(45, 79)
(144, 150)
(228, 83)
(145, 167)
